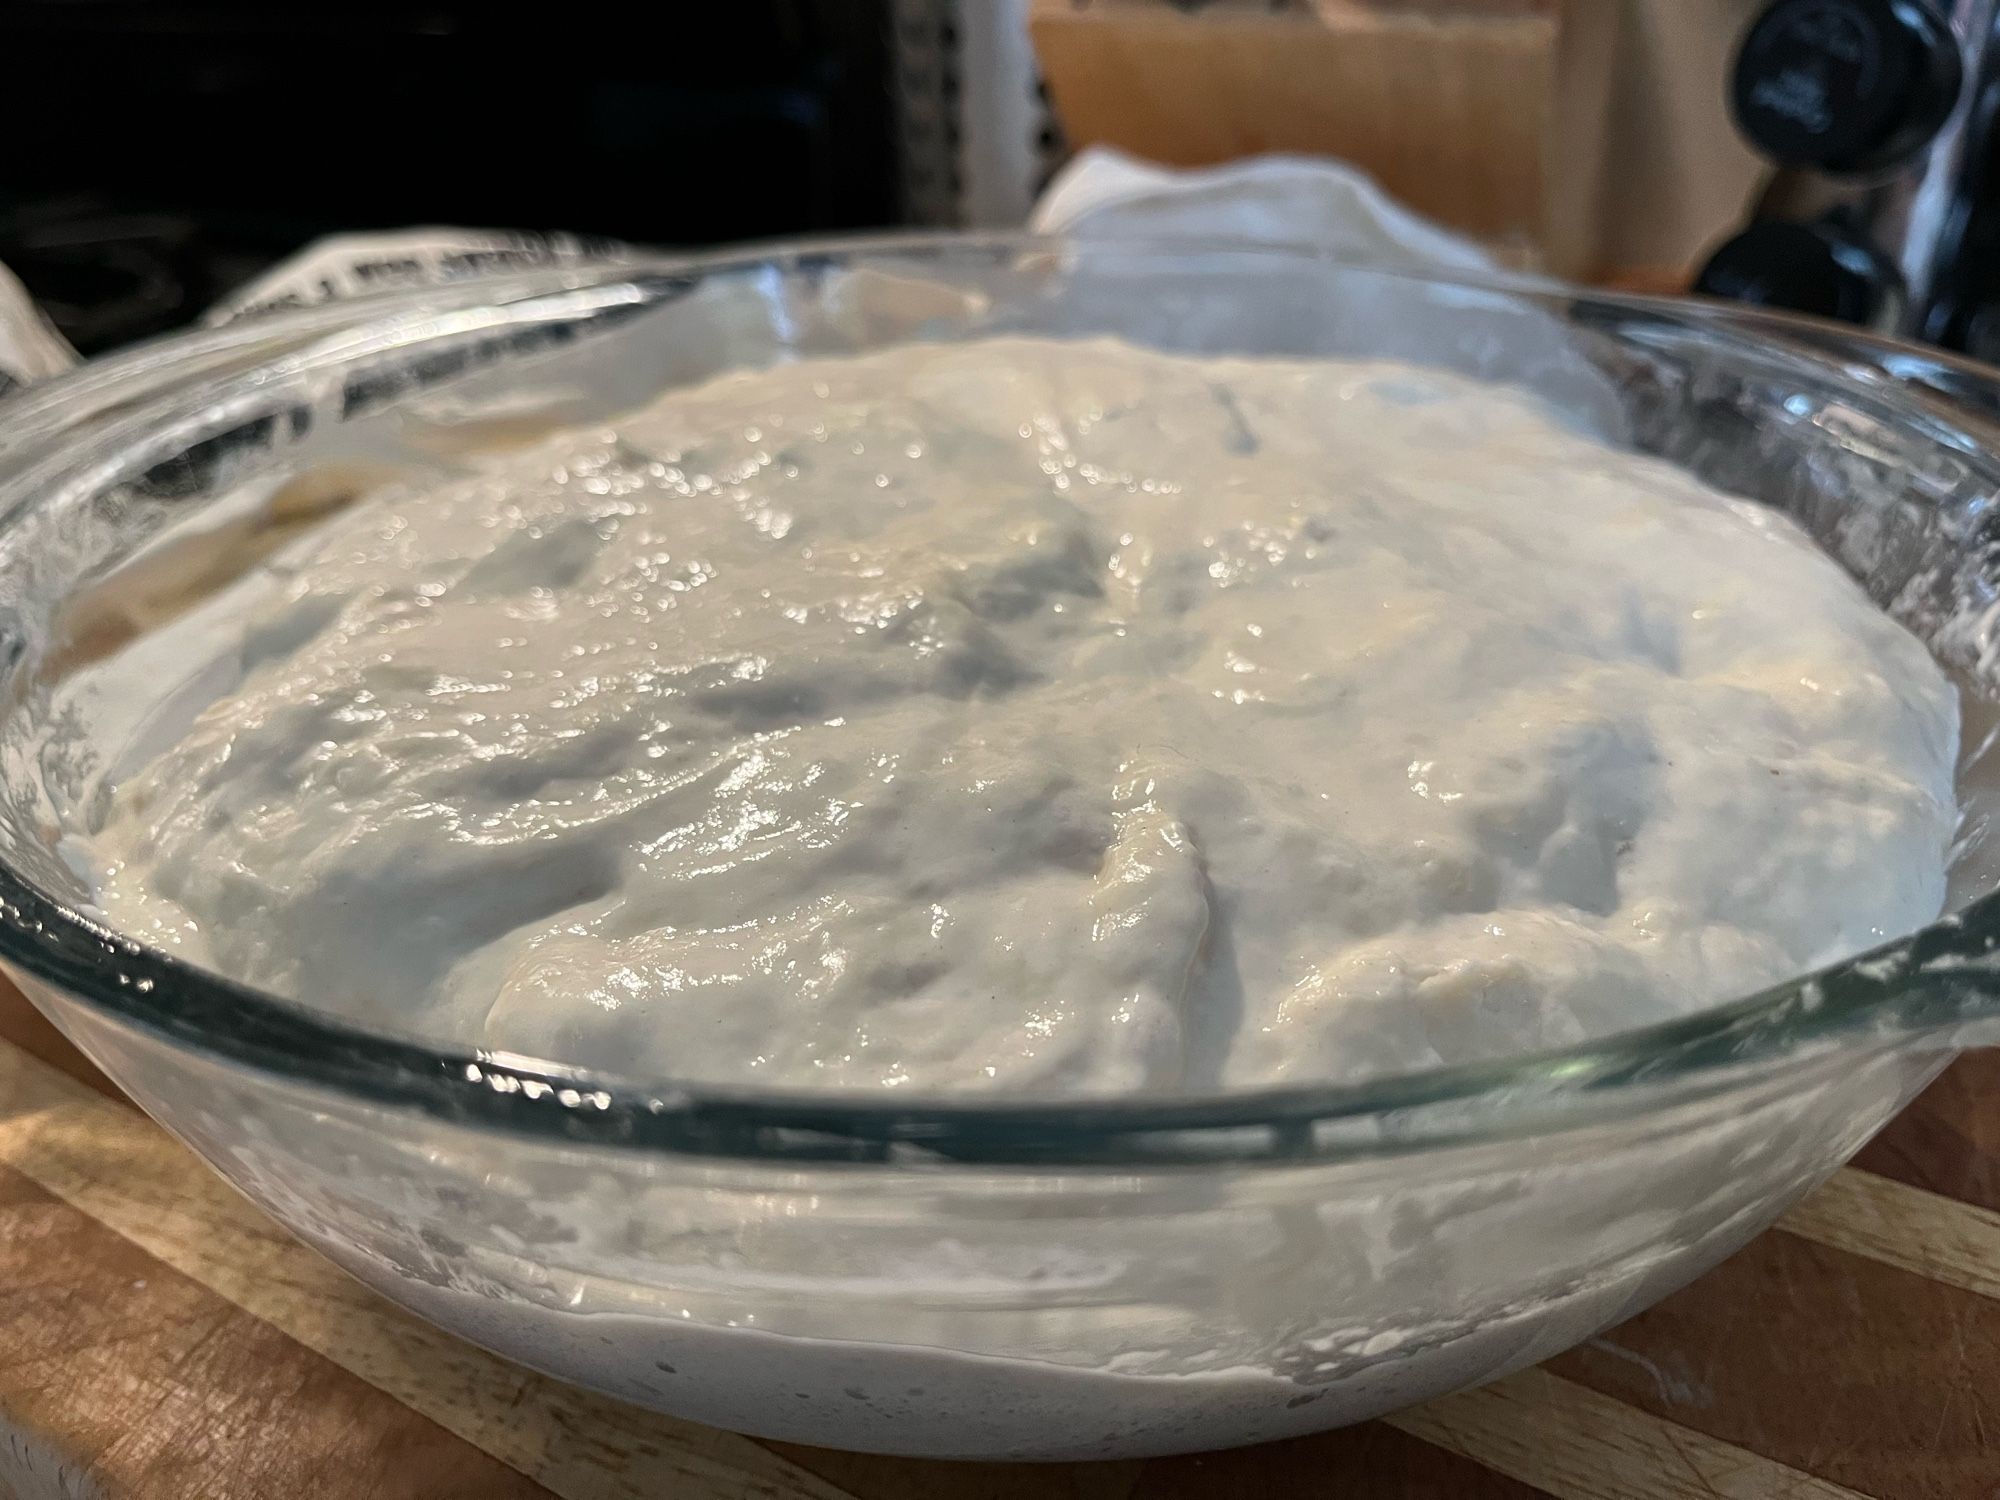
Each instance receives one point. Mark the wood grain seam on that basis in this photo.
(1910, 1228)
(1577, 1444)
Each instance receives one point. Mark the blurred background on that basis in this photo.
(160, 154)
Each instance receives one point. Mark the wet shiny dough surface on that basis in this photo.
(1046, 717)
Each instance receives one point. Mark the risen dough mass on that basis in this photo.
(1048, 717)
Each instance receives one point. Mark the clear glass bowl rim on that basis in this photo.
(1929, 987)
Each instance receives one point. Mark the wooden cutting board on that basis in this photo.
(160, 1339)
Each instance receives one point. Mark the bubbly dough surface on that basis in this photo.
(1049, 718)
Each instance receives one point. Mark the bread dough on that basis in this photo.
(1047, 717)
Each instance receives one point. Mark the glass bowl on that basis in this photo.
(1030, 1278)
